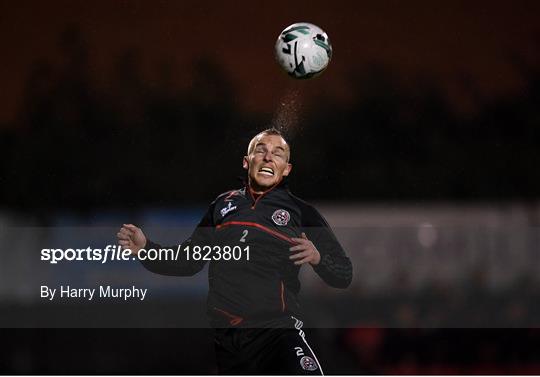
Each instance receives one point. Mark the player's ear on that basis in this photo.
(245, 163)
(287, 170)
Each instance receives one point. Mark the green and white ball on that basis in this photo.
(303, 50)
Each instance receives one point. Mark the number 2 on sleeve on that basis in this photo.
(244, 235)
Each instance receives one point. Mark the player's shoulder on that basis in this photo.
(300, 202)
(309, 214)
(224, 196)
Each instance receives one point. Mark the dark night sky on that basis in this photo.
(466, 47)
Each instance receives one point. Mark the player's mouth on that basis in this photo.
(266, 171)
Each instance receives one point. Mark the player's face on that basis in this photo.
(267, 162)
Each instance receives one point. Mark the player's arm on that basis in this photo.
(133, 238)
(319, 246)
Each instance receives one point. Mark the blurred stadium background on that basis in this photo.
(422, 154)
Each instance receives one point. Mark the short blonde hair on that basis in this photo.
(269, 131)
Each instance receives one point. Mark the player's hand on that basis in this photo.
(131, 237)
(306, 252)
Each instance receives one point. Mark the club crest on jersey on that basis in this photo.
(307, 363)
(281, 217)
(226, 210)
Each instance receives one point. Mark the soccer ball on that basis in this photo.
(303, 50)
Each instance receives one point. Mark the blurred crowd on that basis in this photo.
(80, 144)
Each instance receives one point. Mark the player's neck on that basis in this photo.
(258, 191)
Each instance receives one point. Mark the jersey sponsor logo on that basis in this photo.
(226, 210)
(307, 363)
(281, 217)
